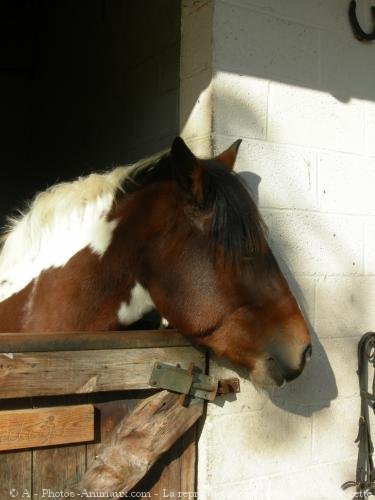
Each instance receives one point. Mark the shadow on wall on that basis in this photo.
(316, 387)
(309, 45)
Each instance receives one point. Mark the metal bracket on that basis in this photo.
(190, 383)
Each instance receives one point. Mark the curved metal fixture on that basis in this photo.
(357, 30)
(365, 471)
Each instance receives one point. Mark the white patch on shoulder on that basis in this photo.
(60, 222)
(164, 323)
(139, 304)
(101, 236)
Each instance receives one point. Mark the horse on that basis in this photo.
(175, 233)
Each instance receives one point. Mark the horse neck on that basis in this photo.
(100, 282)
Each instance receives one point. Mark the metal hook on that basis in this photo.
(357, 30)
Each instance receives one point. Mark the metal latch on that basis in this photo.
(190, 383)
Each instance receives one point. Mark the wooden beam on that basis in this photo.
(77, 372)
(137, 442)
(32, 428)
(73, 341)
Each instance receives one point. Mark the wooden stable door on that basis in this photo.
(109, 371)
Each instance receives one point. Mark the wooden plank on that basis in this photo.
(54, 468)
(15, 466)
(170, 477)
(137, 442)
(36, 427)
(165, 477)
(15, 472)
(72, 372)
(188, 461)
(73, 341)
(173, 475)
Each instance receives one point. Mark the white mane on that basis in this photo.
(60, 222)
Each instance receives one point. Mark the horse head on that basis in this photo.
(203, 257)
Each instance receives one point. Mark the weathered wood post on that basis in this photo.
(137, 442)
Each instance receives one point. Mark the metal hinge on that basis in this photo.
(191, 383)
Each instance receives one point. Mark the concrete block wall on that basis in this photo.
(289, 78)
(196, 73)
(152, 46)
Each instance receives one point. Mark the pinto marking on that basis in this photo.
(139, 304)
(60, 222)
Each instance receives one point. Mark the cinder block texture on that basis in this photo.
(318, 482)
(344, 306)
(370, 128)
(289, 78)
(286, 175)
(347, 65)
(196, 105)
(289, 51)
(240, 105)
(255, 489)
(346, 183)
(313, 118)
(370, 245)
(335, 430)
(319, 13)
(316, 243)
(196, 70)
(240, 447)
(196, 38)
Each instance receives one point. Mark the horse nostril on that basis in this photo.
(307, 353)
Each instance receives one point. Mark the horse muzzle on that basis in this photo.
(281, 365)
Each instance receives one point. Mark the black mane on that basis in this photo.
(236, 226)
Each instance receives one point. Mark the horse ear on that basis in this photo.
(228, 157)
(187, 170)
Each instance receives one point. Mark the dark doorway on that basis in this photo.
(84, 85)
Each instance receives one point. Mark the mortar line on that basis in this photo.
(326, 150)
(293, 20)
(319, 68)
(317, 165)
(268, 109)
(364, 245)
(316, 282)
